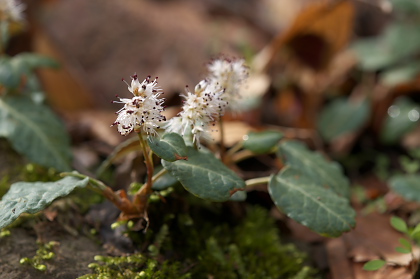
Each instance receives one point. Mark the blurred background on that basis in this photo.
(341, 75)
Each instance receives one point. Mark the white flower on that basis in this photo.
(143, 111)
(11, 10)
(201, 109)
(229, 75)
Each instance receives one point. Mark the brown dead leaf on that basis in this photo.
(339, 265)
(317, 34)
(64, 88)
(389, 272)
(373, 238)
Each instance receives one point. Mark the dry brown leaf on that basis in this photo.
(373, 238)
(319, 32)
(390, 272)
(340, 267)
(63, 87)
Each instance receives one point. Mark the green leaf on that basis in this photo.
(323, 172)
(35, 131)
(402, 250)
(307, 202)
(415, 231)
(238, 196)
(262, 142)
(205, 176)
(400, 74)
(170, 146)
(405, 244)
(407, 185)
(341, 117)
(402, 118)
(13, 68)
(165, 181)
(374, 265)
(406, 7)
(26, 197)
(388, 49)
(25, 62)
(399, 224)
(8, 77)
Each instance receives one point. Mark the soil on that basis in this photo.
(72, 255)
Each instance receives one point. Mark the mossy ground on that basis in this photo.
(192, 238)
(205, 240)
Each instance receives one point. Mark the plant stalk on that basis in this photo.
(142, 196)
(257, 181)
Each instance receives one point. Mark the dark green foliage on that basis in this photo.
(251, 250)
(187, 246)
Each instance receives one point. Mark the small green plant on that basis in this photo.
(307, 187)
(412, 236)
(210, 249)
(30, 126)
(44, 252)
(307, 178)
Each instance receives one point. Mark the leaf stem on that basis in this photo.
(242, 155)
(141, 197)
(256, 181)
(234, 149)
(222, 141)
(96, 183)
(161, 173)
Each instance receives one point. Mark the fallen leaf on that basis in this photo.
(317, 34)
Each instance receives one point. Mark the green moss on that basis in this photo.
(45, 252)
(28, 173)
(134, 266)
(210, 247)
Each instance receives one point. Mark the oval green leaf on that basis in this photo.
(405, 244)
(325, 173)
(415, 231)
(399, 224)
(205, 176)
(262, 142)
(8, 77)
(402, 250)
(35, 131)
(310, 204)
(26, 62)
(26, 197)
(402, 118)
(341, 117)
(374, 265)
(406, 185)
(238, 196)
(169, 147)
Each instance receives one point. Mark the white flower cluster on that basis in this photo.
(211, 98)
(229, 75)
(11, 10)
(200, 109)
(143, 111)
